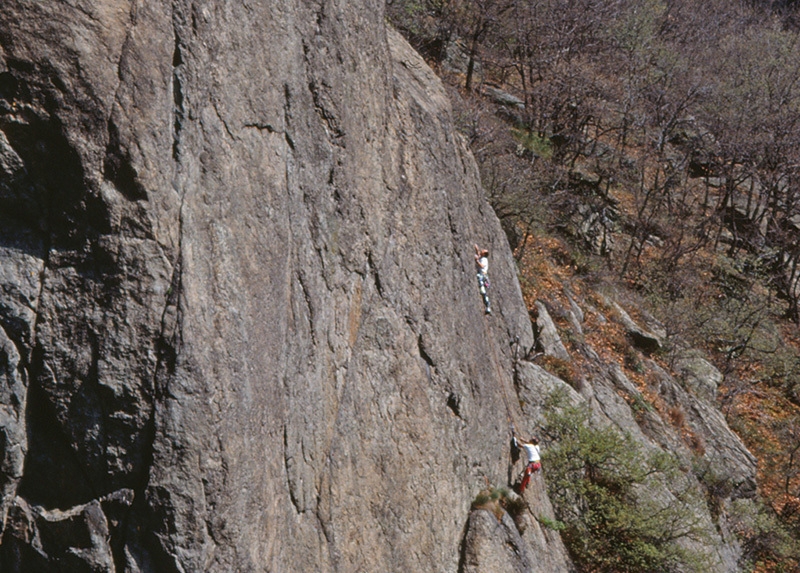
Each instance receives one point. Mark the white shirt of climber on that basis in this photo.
(483, 265)
(531, 451)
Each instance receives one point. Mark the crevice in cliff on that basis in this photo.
(423, 353)
(454, 403)
(132, 530)
(287, 120)
(223, 122)
(426, 359)
(261, 127)
(323, 105)
(119, 170)
(167, 344)
(373, 270)
(122, 53)
(309, 307)
(287, 462)
(137, 537)
(334, 130)
(178, 110)
(462, 547)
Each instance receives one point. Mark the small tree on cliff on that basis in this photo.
(595, 478)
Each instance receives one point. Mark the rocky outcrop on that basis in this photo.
(717, 469)
(493, 544)
(647, 340)
(698, 375)
(237, 282)
(547, 339)
(511, 533)
(78, 539)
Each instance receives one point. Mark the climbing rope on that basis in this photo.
(483, 283)
(499, 378)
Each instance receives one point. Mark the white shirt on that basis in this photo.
(531, 450)
(483, 264)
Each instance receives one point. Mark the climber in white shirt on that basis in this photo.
(482, 262)
(531, 449)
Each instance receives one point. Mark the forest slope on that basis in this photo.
(648, 152)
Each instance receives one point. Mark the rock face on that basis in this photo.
(547, 339)
(493, 544)
(238, 293)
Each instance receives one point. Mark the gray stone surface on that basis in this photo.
(648, 340)
(493, 545)
(496, 542)
(698, 375)
(576, 316)
(238, 282)
(547, 337)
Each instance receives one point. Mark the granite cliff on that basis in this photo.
(240, 322)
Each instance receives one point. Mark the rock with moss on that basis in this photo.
(493, 544)
(698, 375)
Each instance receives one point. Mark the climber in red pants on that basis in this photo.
(534, 464)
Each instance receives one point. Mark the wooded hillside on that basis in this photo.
(652, 147)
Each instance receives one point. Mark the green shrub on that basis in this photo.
(767, 545)
(498, 493)
(483, 498)
(499, 500)
(553, 524)
(594, 479)
(533, 142)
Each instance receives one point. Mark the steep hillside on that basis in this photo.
(646, 153)
(241, 329)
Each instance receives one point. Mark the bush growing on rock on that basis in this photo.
(499, 500)
(598, 481)
(767, 544)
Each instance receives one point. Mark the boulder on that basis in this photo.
(646, 340)
(698, 375)
(547, 337)
(504, 98)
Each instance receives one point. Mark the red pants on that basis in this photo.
(529, 470)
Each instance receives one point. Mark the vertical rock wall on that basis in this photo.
(240, 322)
